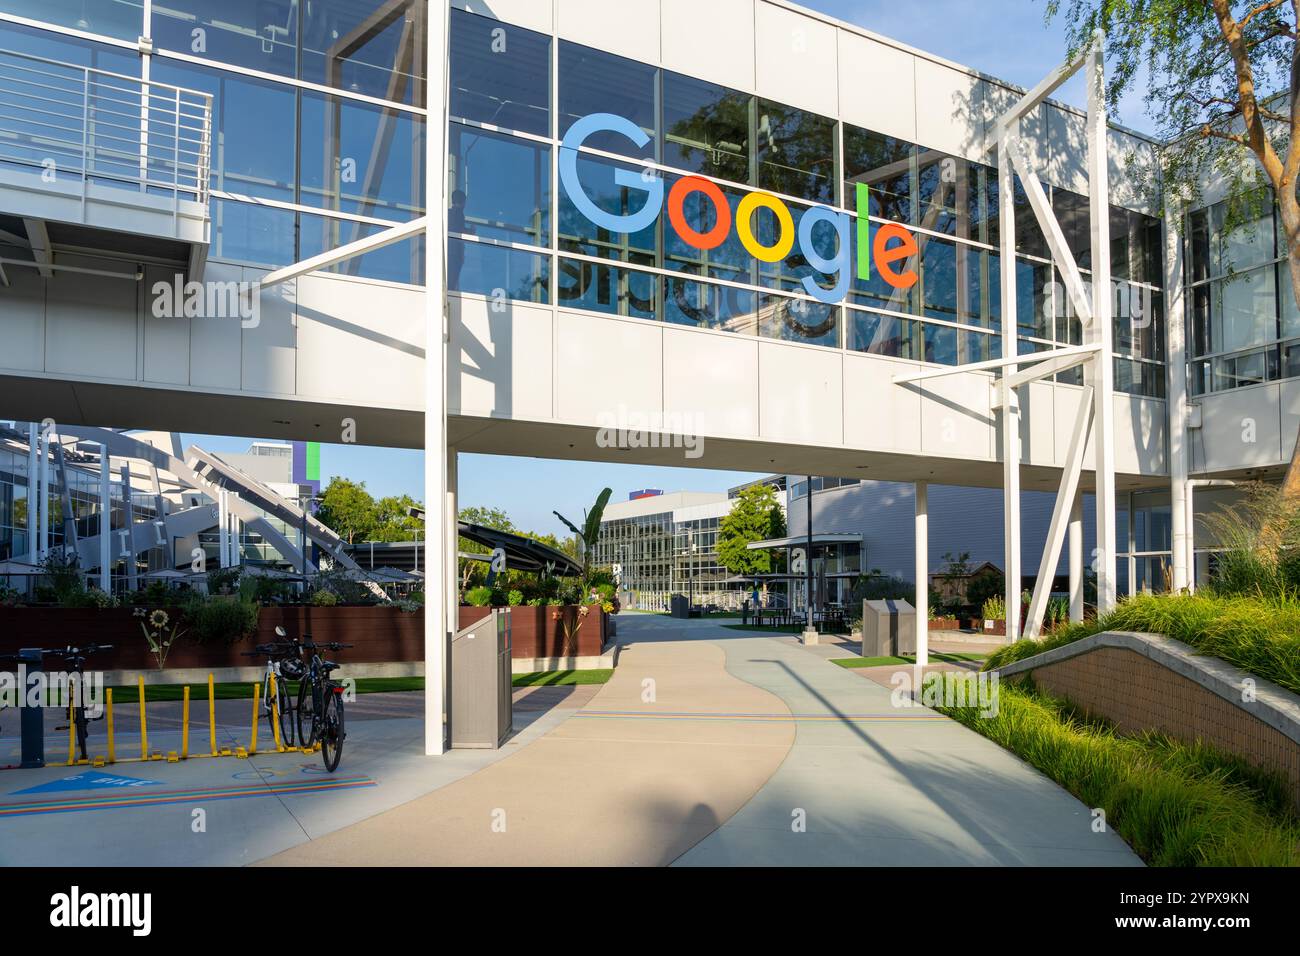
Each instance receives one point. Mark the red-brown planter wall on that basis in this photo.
(380, 634)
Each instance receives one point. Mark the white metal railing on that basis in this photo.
(74, 123)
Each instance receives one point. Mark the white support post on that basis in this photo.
(1061, 510)
(1189, 523)
(437, 615)
(128, 527)
(43, 492)
(33, 482)
(1076, 558)
(223, 547)
(922, 574)
(1101, 333)
(1184, 567)
(1010, 401)
(453, 540)
(105, 520)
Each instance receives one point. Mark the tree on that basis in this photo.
(589, 533)
(755, 516)
(1223, 84)
(348, 509)
(393, 521)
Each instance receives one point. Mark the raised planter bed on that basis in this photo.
(539, 631)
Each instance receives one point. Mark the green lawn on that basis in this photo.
(904, 659)
(767, 628)
(365, 685)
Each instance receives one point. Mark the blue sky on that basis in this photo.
(1004, 38)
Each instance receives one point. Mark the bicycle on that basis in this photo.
(320, 703)
(75, 659)
(284, 662)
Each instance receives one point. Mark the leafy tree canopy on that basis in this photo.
(755, 516)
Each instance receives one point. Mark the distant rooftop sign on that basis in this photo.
(644, 493)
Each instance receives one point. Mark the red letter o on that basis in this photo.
(677, 196)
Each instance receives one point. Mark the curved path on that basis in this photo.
(711, 746)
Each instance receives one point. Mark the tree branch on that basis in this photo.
(1256, 138)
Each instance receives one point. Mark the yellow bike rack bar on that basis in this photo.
(185, 722)
(108, 717)
(275, 716)
(252, 733)
(212, 717)
(144, 729)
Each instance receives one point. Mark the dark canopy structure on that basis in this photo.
(522, 554)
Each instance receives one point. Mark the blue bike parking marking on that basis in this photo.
(89, 780)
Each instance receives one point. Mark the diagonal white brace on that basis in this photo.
(1060, 515)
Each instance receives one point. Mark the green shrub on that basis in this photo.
(515, 598)
(324, 598)
(1175, 805)
(994, 609)
(224, 621)
(478, 597)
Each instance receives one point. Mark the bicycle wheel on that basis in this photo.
(305, 713)
(284, 704)
(331, 732)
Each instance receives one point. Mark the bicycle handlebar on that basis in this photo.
(71, 651)
(328, 645)
(281, 648)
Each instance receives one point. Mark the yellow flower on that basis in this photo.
(158, 618)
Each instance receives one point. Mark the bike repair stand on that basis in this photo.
(32, 718)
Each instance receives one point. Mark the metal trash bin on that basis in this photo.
(481, 706)
(888, 628)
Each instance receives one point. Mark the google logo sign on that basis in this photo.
(890, 244)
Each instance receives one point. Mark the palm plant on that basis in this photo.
(588, 534)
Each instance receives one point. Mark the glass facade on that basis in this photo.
(505, 141)
(1244, 328)
(318, 112)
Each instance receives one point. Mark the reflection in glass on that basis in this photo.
(371, 47)
(592, 81)
(484, 90)
(481, 268)
(400, 262)
(252, 235)
(257, 34)
(706, 306)
(120, 19)
(706, 128)
(886, 165)
(580, 234)
(798, 320)
(795, 151)
(879, 334)
(500, 186)
(597, 287)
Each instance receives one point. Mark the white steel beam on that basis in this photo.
(438, 616)
(1176, 404)
(1076, 558)
(1029, 358)
(1045, 88)
(1047, 221)
(922, 575)
(379, 240)
(1061, 512)
(105, 520)
(1010, 402)
(33, 489)
(1101, 333)
(1058, 361)
(39, 237)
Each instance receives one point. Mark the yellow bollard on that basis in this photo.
(212, 717)
(108, 717)
(144, 730)
(72, 724)
(252, 734)
(185, 722)
(275, 716)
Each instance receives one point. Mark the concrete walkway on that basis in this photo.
(713, 746)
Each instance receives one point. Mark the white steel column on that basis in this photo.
(128, 527)
(1010, 401)
(1176, 403)
(43, 492)
(33, 464)
(223, 545)
(105, 520)
(1189, 532)
(453, 540)
(922, 573)
(1102, 367)
(1076, 558)
(437, 614)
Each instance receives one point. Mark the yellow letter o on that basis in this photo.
(744, 215)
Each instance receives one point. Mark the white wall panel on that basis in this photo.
(627, 29)
(796, 57)
(604, 366)
(877, 86)
(270, 348)
(949, 111)
(1067, 158)
(1239, 428)
(877, 413)
(1140, 435)
(713, 41)
(711, 383)
(90, 322)
(22, 320)
(1289, 397)
(166, 339)
(801, 394)
(500, 363)
(1037, 417)
(955, 418)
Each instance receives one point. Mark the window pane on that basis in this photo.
(879, 334)
(1034, 299)
(949, 193)
(252, 129)
(361, 159)
(252, 235)
(798, 320)
(1247, 310)
(120, 19)
(730, 260)
(885, 165)
(484, 269)
(400, 262)
(706, 306)
(795, 151)
(946, 281)
(372, 47)
(500, 74)
(706, 128)
(600, 288)
(1074, 217)
(578, 233)
(596, 82)
(258, 34)
(501, 186)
